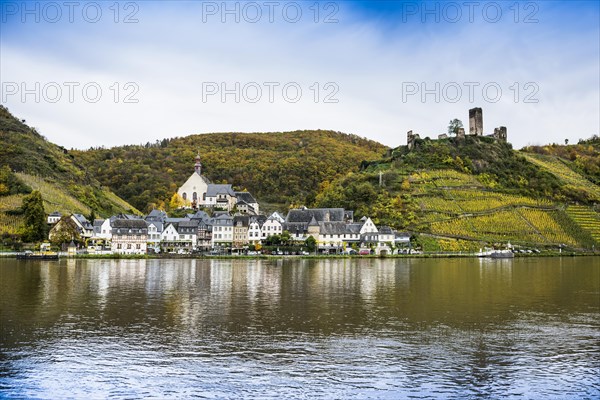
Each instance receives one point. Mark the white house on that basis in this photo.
(54, 217)
(254, 230)
(222, 231)
(220, 196)
(86, 229)
(367, 226)
(155, 229)
(272, 226)
(105, 229)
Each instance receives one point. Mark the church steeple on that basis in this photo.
(198, 166)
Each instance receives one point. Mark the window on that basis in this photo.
(184, 195)
(195, 196)
(138, 246)
(129, 246)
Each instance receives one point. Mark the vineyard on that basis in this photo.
(521, 225)
(587, 219)
(456, 205)
(564, 173)
(55, 198)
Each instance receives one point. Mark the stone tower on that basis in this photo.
(476, 121)
(500, 134)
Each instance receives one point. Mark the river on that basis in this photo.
(332, 328)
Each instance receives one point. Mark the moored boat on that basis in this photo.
(37, 256)
(502, 254)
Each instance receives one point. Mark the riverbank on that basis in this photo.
(316, 257)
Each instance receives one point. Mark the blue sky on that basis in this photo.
(92, 74)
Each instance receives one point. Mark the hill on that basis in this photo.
(277, 168)
(29, 162)
(461, 194)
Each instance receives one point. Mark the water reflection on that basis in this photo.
(336, 328)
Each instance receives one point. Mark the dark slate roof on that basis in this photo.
(200, 215)
(244, 219)
(189, 224)
(386, 230)
(156, 215)
(336, 228)
(129, 226)
(218, 188)
(175, 220)
(83, 221)
(260, 219)
(98, 222)
(55, 214)
(295, 227)
(320, 214)
(129, 223)
(223, 217)
(128, 216)
(313, 222)
(159, 225)
(245, 196)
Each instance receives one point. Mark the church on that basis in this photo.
(198, 192)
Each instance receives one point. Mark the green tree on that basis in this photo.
(311, 244)
(35, 217)
(454, 125)
(273, 240)
(285, 237)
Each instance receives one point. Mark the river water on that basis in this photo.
(370, 328)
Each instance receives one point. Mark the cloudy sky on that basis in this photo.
(110, 73)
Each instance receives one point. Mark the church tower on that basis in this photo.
(198, 166)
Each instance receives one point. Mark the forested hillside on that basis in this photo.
(277, 168)
(464, 193)
(29, 162)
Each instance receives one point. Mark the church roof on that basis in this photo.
(215, 189)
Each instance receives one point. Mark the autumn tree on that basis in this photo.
(176, 202)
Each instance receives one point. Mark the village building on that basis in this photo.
(246, 203)
(85, 228)
(272, 226)
(193, 191)
(188, 234)
(129, 236)
(240, 231)
(53, 218)
(198, 191)
(255, 224)
(222, 232)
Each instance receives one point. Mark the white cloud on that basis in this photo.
(170, 54)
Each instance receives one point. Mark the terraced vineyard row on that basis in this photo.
(10, 224)
(564, 173)
(444, 178)
(552, 227)
(587, 219)
(457, 201)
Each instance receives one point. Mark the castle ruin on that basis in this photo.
(476, 121)
(475, 129)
